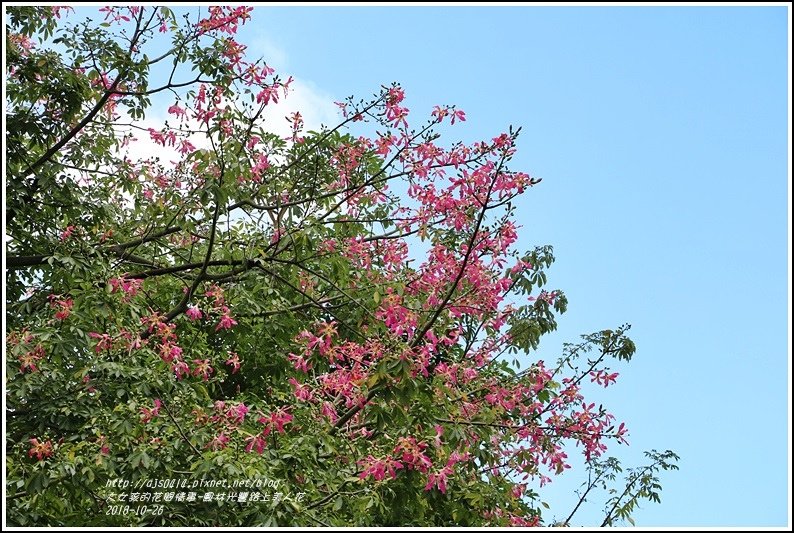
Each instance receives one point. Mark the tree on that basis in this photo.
(322, 323)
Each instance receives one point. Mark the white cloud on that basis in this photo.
(144, 147)
(316, 106)
(273, 55)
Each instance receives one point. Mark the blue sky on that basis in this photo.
(661, 138)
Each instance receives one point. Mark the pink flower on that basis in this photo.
(439, 431)
(181, 369)
(148, 414)
(521, 521)
(87, 380)
(603, 378)
(186, 147)
(67, 233)
(300, 363)
(129, 287)
(556, 460)
(302, 392)
(268, 93)
(156, 136)
(22, 41)
(328, 245)
(469, 374)
(64, 307)
(379, 468)
(169, 352)
(279, 419)
(621, 433)
(456, 457)
(104, 341)
(396, 317)
(412, 454)
(518, 490)
(203, 368)
(216, 293)
(41, 450)
(328, 410)
(233, 361)
(176, 110)
(384, 144)
(226, 322)
(261, 165)
(104, 449)
(237, 413)
(164, 138)
(439, 112)
(193, 313)
(218, 443)
(28, 360)
(255, 442)
(56, 10)
(322, 341)
(224, 19)
(439, 479)
(396, 95)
